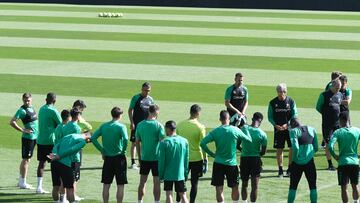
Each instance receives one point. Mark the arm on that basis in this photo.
(227, 101)
(75, 148)
(294, 144)
(348, 98)
(13, 122)
(161, 163)
(126, 138)
(246, 103)
(85, 126)
(138, 143)
(131, 113)
(204, 142)
(320, 103)
(186, 171)
(271, 115)
(332, 142)
(315, 142)
(264, 145)
(96, 143)
(243, 136)
(57, 118)
(294, 112)
(202, 136)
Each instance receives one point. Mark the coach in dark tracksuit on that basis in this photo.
(236, 97)
(328, 105)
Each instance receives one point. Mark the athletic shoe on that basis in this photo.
(331, 168)
(134, 166)
(64, 201)
(41, 191)
(78, 199)
(323, 144)
(287, 173)
(280, 174)
(26, 186)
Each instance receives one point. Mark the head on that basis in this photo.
(335, 75)
(239, 79)
(154, 110)
(281, 90)
(170, 128)
(344, 119)
(79, 104)
(295, 122)
(27, 99)
(75, 114)
(50, 98)
(87, 137)
(116, 113)
(65, 116)
(257, 119)
(344, 82)
(224, 117)
(145, 89)
(335, 85)
(195, 111)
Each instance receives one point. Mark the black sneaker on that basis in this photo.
(323, 144)
(331, 168)
(280, 174)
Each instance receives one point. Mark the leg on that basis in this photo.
(193, 190)
(311, 176)
(344, 195)
(106, 188)
(235, 195)
(254, 188)
(120, 193)
(244, 189)
(142, 185)
(290, 157)
(296, 173)
(157, 188)
(70, 194)
(169, 196)
(183, 197)
(133, 153)
(279, 158)
(55, 193)
(219, 193)
(355, 191)
(40, 169)
(24, 166)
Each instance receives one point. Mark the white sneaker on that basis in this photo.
(41, 191)
(78, 199)
(134, 166)
(26, 186)
(64, 201)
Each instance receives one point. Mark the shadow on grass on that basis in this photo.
(15, 197)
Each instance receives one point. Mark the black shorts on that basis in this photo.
(75, 166)
(296, 172)
(114, 166)
(219, 173)
(328, 132)
(279, 139)
(250, 166)
(196, 169)
(61, 173)
(146, 166)
(43, 151)
(179, 186)
(348, 173)
(27, 148)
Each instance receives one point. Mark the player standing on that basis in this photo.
(28, 116)
(236, 97)
(225, 163)
(304, 145)
(138, 111)
(250, 161)
(113, 149)
(173, 162)
(281, 109)
(347, 138)
(49, 119)
(149, 133)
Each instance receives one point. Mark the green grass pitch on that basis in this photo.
(190, 56)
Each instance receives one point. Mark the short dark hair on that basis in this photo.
(50, 98)
(65, 114)
(239, 75)
(26, 95)
(79, 103)
(344, 116)
(335, 74)
(257, 116)
(153, 108)
(224, 114)
(171, 125)
(146, 84)
(74, 112)
(195, 109)
(294, 122)
(116, 112)
(343, 78)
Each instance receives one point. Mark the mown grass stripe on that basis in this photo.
(239, 50)
(179, 18)
(98, 109)
(269, 63)
(188, 11)
(191, 39)
(168, 91)
(183, 31)
(166, 22)
(189, 74)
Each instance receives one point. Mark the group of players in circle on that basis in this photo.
(172, 151)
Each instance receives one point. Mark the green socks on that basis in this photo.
(291, 196)
(313, 196)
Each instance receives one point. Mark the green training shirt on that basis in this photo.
(72, 128)
(225, 138)
(193, 131)
(150, 133)
(114, 138)
(33, 125)
(173, 158)
(49, 119)
(303, 148)
(68, 147)
(259, 139)
(348, 140)
(59, 133)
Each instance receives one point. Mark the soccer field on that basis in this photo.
(190, 55)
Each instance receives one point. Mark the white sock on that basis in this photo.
(21, 181)
(40, 180)
(244, 201)
(252, 202)
(140, 201)
(62, 197)
(356, 201)
(237, 201)
(221, 202)
(155, 202)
